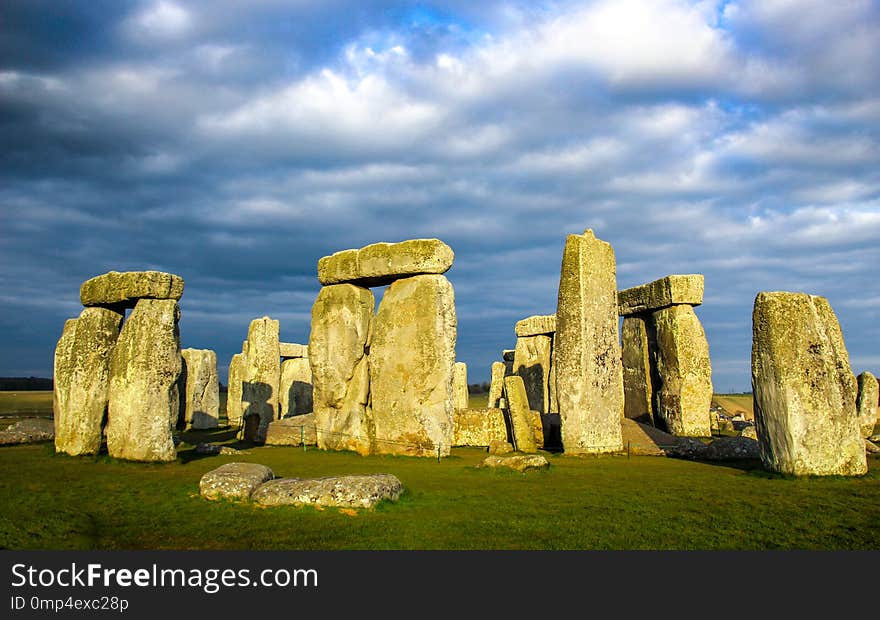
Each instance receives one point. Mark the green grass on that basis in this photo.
(59, 502)
(29, 403)
(478, 401)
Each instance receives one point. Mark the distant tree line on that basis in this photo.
(25, 384)
(478, 388)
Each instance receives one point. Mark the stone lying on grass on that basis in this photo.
(358, 491)
(210, 448)
(499, 446)
(27, 431)
(234, 481)
(292, 431)
(726, 448)
(520, 462)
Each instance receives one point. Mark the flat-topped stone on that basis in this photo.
(292, 350)
(380, 264)
(123, 289)
(536, 325)
(234, 481)
(518, 462)
(669, 291)
(358, 491)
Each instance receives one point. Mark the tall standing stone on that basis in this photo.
(866, 403)
(296, 387)
(460, 394)
(144, 368)
(685, 394)
(523, 431)
(262, 376)
(234, 407)
(341, 328)
(496, 386)
(638, 384)
(804, 390)
(412, 357)
(199, 389)
(82, 379)
(589, 375)
(532, 362)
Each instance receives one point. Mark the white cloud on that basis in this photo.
(161, 20)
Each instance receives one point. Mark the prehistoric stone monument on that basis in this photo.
(496, 386)
(804, 390)
(460, 396)
(295, 397)
(666, 368)
(384, 384)
(589, 375)
(199, 389)
(478, 427)
(866, 403)
(131, 374)
(522, 429)
(532, 360)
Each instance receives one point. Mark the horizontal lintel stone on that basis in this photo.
(669, 291)
(536, 325)
(380, 264)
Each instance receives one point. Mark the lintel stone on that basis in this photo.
(669, 291)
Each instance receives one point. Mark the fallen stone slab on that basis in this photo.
(210, 448)
(381, 264)
(356, 491)
(728, 448)
(498, 446)
(536, 325)
(234, 481)
(28, 430)
(292, 431)
(519, 462)
(123, 289)
(669, 291)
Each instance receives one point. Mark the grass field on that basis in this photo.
(736, 403)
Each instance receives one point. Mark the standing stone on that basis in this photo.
(478, 427)
(262, 376)
(551, 380)
(496, 386)
(82, 379)
(412, 358)
(144, 369)
(341, 329)
(589, 374)
(532, 362)
(234, 407)
(520, 416)
(296, 387)
(804, 390)
(685, 393)
(460, 396)
(199, 389)
(866, 403)
(638, 386)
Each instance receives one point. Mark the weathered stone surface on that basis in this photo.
(28, 430)
(803, 388)
(866, 403)
(589, 374)
(496, 385)
(532, 363)
(262, 377)
(871, 447)
(638, 381)
(521, 420)
(662, 293)
(341, 328)
(383, 263)
(292, 431)
(750, 432)
(358, 491)
(82, 379)
(126, 288)
(291, 350)
(411, 367)
(508, 354)
(519, 462)
(536, 325)
(143, 395)
(234, 407)
(551, 380)
(478, 427)
(199, 389)
(460, 396)
(296, 387)
(498, 446)
(235, 481)
(727, 448)
(685, 392)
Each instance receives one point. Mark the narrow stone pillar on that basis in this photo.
(522, 429)
(638, 386)
(496, 386)
(199, 389)
(234, 407)
(460, 394)
(866, 403)
(262, 376)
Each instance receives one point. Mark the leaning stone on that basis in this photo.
(866, 403)
(500, 446)
(536, 325)
(359, 491)
(804, 390)
(496, 386)
(520, 415)
(235, 481)
(532, 363)
(478, 427)
(662, 293)
(381, 264)
(460, 396)
(262, 377)
(144, 367)
(685, 391)
(123, 290)
(341, 326)
(296, 387)
(412, 358)
(82, 379)
(638, 380)
(292, 431)
(234, 407)
(589, 375)
(519, 462)
(200, 393)
(291, 350)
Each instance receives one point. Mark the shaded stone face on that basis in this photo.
(82, 379)
(296, 387)
(292, 431)
(478, 427)
(521, 421)
(143, 395)
(380, 264)
(496, 386)
(536, 325)
(412, 357)
(638, 385)
(234, 407)
(460, 396)
(589, 375)
(262, 375)
(532, 363)
(669, 291)
(804, 390)
(341, 330)
(508, 354)
(685, 392)
(124, 289)
(199, 389)
(866, 403)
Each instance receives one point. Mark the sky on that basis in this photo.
(234, 144)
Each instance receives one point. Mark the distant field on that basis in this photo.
(478, 401)
(27, 403)
(736, 403)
